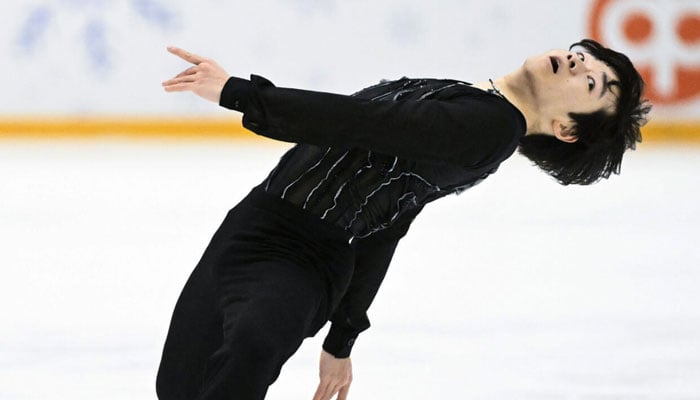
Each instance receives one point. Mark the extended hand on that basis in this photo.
(336, 376)
(205, 79)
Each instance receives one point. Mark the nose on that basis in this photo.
(575, 63)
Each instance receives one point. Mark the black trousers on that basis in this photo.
(270, 277)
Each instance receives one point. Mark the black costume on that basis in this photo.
(314, 240)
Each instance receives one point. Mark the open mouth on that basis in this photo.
(555, 64)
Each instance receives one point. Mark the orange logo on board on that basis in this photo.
(661, 37)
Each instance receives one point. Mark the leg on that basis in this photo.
(196, 326)
(269, 307)
(195, 333)
(255, 295)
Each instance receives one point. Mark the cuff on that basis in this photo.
(339, 341)
(236, 94)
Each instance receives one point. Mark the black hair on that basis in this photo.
(603, 137)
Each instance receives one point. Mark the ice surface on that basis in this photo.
(516, 289)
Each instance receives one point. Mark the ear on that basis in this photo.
(563, 131)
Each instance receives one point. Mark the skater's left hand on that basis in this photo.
(336, 376)
(205, 79)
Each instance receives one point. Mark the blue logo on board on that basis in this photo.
(94, 32)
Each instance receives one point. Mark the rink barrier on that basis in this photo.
(128, 127)
(214, 128)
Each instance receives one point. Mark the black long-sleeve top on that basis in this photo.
(371, 161)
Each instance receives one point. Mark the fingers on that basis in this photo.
(188, 71)
(186, 55)
(343, 393)
(180, 79)
(180, 87)
(325, 391)
(320, 391)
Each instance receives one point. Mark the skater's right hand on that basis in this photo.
(336, 376)
(205, 78)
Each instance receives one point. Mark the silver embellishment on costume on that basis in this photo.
(325, 178)
(366, 200)
(284, 193)
(337, 194)
(434, 189)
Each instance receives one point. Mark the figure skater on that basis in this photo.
(312, 242)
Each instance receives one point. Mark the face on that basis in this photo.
(566, 82)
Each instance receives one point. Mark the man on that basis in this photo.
(313, 241)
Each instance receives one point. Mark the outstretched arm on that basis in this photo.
(464, 130)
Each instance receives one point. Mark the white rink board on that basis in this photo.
(518, 289)
(80, 57)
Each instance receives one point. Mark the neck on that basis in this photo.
(517, 89)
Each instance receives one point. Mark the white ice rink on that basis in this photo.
(516, 289)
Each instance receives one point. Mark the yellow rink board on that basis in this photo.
(217, 128)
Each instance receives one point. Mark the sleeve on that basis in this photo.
(464, 130)
(372, 258)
